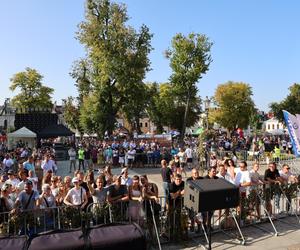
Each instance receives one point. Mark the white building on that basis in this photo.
(274, 126)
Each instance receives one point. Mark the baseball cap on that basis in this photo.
(10, 172)
(75, 179)
(5, 187)
(123, 170)
(28, 182)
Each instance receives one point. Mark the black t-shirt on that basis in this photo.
(121, 191)
(207, 177)
(272, 175)
(173, 188)
(166, 174)
(191, 178)
(87, 154)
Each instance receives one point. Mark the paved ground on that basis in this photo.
(256, 238)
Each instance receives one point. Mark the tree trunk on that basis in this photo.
(185, 118)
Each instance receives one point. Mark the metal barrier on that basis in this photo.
(262, 203)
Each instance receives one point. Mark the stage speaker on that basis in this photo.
(10, 243)
(210, 194)
(71, 240)
(119, 236)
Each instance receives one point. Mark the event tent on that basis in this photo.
(55, 130)
(23, 134)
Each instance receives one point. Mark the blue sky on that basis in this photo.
(255, 41)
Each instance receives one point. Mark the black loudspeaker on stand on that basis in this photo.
(207, 195)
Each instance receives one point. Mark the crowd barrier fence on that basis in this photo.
(262, 203)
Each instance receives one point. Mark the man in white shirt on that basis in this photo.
(48, 164)
(223, 173)
(7, 163)
(130, 156)
(242, 178)
(72, 157)
(189, 156)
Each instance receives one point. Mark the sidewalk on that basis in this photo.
(258, 238)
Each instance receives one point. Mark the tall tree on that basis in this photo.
(234, 105)
(189, 59)
(168, 109)
(116, 63)
(72, 114)
(33, 94)
(291, 103)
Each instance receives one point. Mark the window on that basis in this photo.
(269, 126)
(277, 126)
(146, 124)
(141, 124)
(273, 126)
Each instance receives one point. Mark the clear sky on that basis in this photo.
(255, 41)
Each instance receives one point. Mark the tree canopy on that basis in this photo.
(116, 63)
(189, 59)
(33, 94)
(291, 103)
(234, 105)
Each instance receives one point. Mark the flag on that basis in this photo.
(293, 125)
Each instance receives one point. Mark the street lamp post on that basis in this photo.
(206, 108)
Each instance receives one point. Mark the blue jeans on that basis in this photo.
(165, 193)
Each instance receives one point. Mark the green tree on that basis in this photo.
(234, 105)
(134, 108)
(116, 63)
(161, 104)
(291, 103)
(168, 109)
(189, 59)
(33, 94)
(72, 114)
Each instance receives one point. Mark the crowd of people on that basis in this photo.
(29, 179)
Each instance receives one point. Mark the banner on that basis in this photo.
(293, 125)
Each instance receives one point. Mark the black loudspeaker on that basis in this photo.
(35, 122)
(10, 243)
(117, 237)
(210, 194)
(72, 240)
(108, 237)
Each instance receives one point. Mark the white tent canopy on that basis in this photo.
(23, 134)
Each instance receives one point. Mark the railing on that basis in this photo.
(261, 204)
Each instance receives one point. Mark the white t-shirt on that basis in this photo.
(242, 177)
(189, 153)
(181, 156)
(14, 182)
(76, 196)
(8, 163)
(285, 176)
(131, 154)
